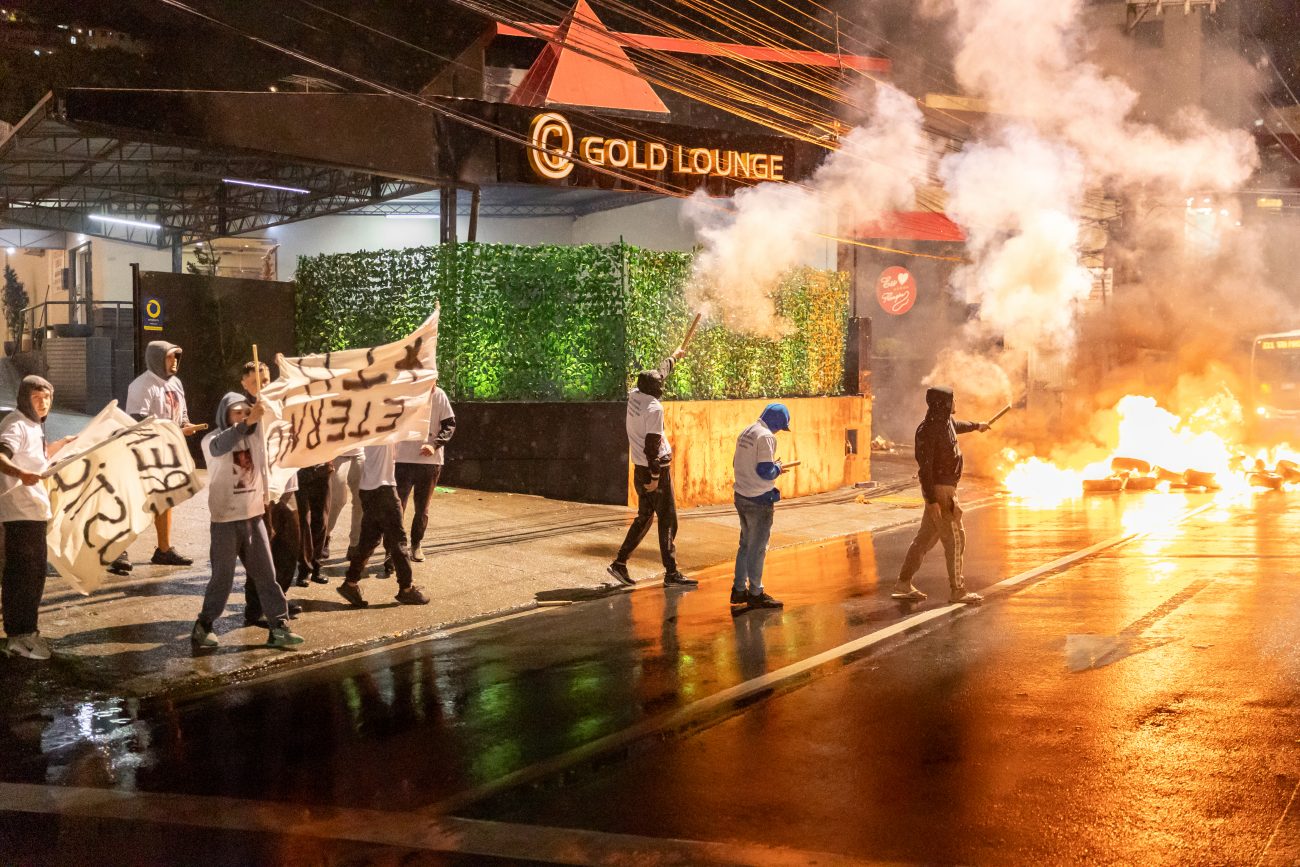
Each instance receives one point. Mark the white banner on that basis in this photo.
(117, 474)
(323, 405)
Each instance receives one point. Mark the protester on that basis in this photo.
(756, 468)
(236, 502)
(344, 482)
(938, 457)
(281, 515)
(652, 477)
(25, 512)
(313, 484)
(419, 464)
(381, 519)
(158, 392)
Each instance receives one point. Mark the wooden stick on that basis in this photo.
(690, 332)
(790, 465)
(257, 373)
(1006, 409)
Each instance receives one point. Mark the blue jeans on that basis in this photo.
(755, 530)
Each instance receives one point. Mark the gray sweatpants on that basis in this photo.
(247, 541)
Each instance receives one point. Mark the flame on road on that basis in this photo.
(1156, 450)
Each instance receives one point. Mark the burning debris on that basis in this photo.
(1152, 449)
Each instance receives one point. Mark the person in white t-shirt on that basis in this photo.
(25, 512)
(237, 506)
(419, 464)
(381, 518)
(652, 457)
(345, 483)
(158, 392)
(756, 469)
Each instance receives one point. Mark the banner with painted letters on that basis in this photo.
(106, 486)
(323, 405)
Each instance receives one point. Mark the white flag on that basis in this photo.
(323, 405)
(107, 484)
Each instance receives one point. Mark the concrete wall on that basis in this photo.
(110, 266)
(703, 435)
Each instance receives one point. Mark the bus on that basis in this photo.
(1275, 381)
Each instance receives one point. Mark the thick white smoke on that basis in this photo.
(1066, 129)
(774, 227)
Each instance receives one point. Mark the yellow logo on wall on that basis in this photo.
(552, 155)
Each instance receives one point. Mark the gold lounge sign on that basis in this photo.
(552, 155)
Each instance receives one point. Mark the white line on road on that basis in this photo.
(728, 698)
(405, 830)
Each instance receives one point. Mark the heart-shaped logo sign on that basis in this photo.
(896, 291)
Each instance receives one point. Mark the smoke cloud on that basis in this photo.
(774, 227)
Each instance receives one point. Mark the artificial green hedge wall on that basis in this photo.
(567, 323)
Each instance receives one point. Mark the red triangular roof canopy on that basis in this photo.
(567, 72)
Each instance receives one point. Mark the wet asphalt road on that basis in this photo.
(1138, 706)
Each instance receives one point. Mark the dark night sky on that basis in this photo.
(190, 53)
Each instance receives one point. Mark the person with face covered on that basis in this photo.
(25, 512)
(158, 392)
(651, 456)
(939, 461)
(236, 503)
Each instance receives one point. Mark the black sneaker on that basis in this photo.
(411, 595)
(389, 569)
(318, 578)
(300, 581)
(764, 600)
(739, 597)
(256, 621)
(677, 579)
(295, 609)
(619, 572)
(169, 558)
(352, 593)
(120, 566)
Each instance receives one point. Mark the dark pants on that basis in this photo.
(24, 575)
(420, 479)
(282, 526)
(313, 517)
(381, 519)
(659, 503)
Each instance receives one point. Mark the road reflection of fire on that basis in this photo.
(1157, 450)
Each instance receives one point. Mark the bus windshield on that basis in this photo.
(1276, 371)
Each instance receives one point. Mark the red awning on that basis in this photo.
(912, 226)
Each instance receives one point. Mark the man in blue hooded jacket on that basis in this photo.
(756, 468)
(939, 464)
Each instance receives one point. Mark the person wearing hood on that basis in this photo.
(158, 392)
(756, 469)
(652, 456)
(281, 515)
(25, 512)
(237, 504)
(939, 461)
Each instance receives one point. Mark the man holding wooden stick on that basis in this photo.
(651, 476)
(939, 463)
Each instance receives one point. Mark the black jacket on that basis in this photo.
(938, 456)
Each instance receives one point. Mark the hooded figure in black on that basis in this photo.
(939, 466)
(651, 456)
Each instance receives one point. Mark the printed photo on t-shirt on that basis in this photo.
(245, 475)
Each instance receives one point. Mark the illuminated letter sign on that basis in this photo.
(551, 153)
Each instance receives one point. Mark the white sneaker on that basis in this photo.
(31, 646)
(966, 598)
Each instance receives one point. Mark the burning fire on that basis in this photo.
(1157, 450)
